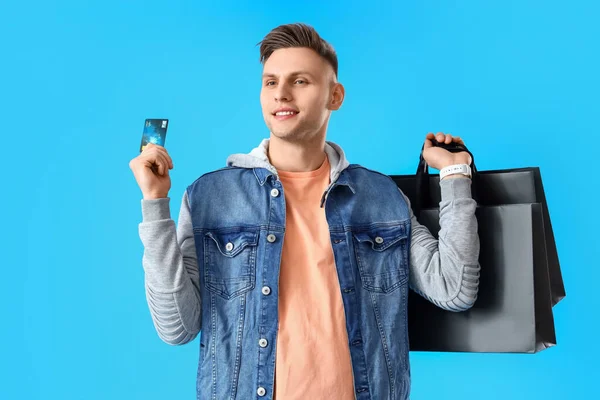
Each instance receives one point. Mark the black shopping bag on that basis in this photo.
(520, 277)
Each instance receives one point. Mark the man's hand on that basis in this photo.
(439, 158)
(151, 171)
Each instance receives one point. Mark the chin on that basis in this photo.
(292, 136)
(296, 133)
(280, 131)
(283, 134)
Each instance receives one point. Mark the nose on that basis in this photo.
(282, 93)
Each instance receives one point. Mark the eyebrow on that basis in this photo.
(295, 73)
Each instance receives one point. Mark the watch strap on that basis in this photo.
(463, 169)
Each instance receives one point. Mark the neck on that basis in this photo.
(297, 156)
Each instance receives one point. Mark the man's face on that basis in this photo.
(298, 93)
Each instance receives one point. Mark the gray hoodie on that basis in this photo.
(445, 271)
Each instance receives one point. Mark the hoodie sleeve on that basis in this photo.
(170, 271)
(446, 271)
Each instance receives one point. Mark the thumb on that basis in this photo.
(428, 139)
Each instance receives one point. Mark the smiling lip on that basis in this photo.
(285, 114)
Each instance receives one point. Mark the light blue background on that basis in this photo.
(518, 80)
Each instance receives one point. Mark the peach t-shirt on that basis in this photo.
(313, 356)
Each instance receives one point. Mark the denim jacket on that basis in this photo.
(218, 271)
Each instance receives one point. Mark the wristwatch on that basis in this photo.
(463, 169)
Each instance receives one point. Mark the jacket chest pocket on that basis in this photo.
(230, 261)
(382, 257)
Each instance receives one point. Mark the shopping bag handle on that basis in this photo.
(422, 176)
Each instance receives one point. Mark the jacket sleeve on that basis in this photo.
(170, 271)
(445, 271)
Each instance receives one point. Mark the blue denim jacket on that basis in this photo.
(234, 221)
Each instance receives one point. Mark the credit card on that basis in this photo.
(155, 131)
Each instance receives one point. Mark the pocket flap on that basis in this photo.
(231, 243)
(382, 237)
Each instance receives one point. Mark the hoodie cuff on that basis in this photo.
(455, 188)
(156, 209)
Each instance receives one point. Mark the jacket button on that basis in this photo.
(271, 238)
(229, 246)
(266, 290)
(274, 192)
(379, 239)
(262, 343)
(261, 391)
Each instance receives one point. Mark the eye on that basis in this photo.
(268, 83)
(300, 80)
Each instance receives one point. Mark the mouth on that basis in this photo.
(285, 114)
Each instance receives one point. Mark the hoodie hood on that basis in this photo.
(258, 158)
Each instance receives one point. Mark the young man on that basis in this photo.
(294, 264)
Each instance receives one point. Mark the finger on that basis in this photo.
(448, 138)
(162, 164)
(458, 140)
(430, 136)
(150, 163)
(440, 137)
(155, 158)
(147, 147)
(160, 156)
(164, 152)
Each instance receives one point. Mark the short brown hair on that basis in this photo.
(297, 35)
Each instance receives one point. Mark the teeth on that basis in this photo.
(285, 113)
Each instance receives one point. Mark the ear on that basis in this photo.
(336, 97)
